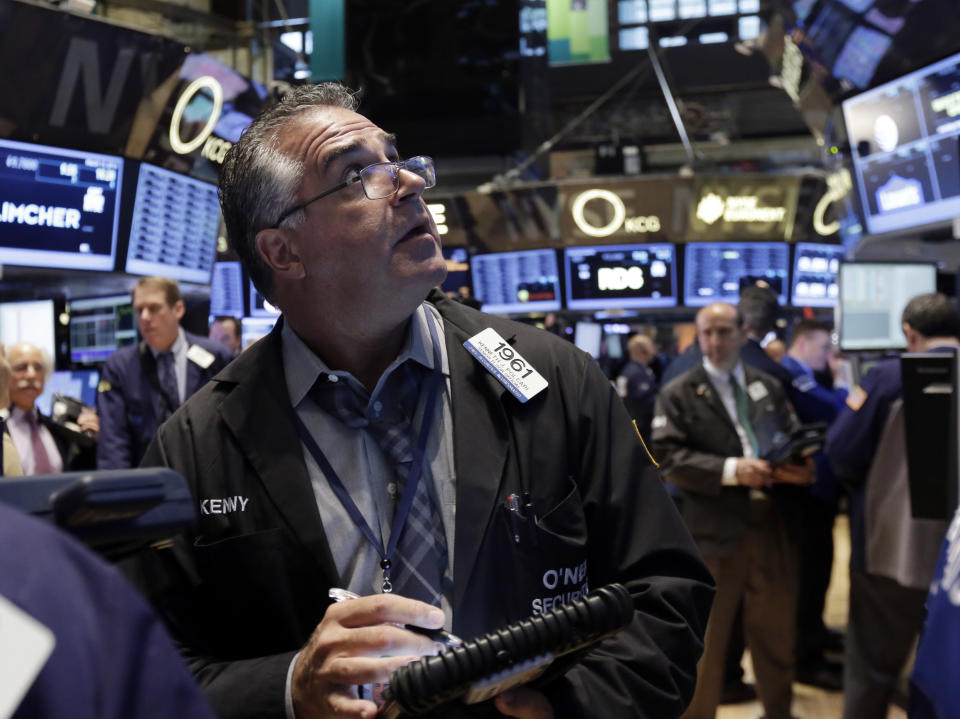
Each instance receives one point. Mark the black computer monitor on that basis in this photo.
(815, 269)
(522, 281)
(627, 276)
(872, 298)
(717, 271)
(174, 227)
(58, 208)
(99, 326)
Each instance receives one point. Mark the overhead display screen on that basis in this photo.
(815, 268)
(58, 207)
(716, 271)
(627, 276)
(99, 326)
(872, 298)
(174, 228)
(904, 143)
(526, 281)
(226, 290)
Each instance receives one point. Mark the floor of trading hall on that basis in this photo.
(810, 702)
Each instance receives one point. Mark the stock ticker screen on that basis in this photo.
(904, 139)
(628, 276)
(716, 271)
(525, 281)
(58, 208)
(815, 269)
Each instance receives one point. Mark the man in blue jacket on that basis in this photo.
(809, 353)
(892, 555)
(141, 385)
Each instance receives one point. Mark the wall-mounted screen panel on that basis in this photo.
(260, 306)
(904, 142)
(627, 276)
(58, 208)
(815, 268)
(716, 271)
(174, 228)
(30, 321)
(525, 281)
(99, 326)
(226, 290)
(872, 298)
(80, 384)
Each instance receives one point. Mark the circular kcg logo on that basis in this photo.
(588, 221)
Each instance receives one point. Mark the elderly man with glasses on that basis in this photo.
(366, 446)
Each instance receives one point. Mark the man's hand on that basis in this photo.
(357, 643)
(753, 472)
(795, 473)
(88, 420)
(524, 703)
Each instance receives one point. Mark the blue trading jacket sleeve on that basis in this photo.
(812, 401)
(113, 443)
(852, 438)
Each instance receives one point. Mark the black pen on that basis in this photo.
(441, 636)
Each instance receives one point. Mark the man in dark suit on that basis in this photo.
(44, 446)
(297, 458)
(637, 384)
(141, 385)
(712, 427)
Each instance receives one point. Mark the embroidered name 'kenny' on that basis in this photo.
(223, 505)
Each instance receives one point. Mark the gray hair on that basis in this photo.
(258, 182)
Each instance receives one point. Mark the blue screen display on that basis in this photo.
(525, 281)
(58, 208)
(716, 271)
(628, 276)
(80, 384)
(226, 290)
(815, 268)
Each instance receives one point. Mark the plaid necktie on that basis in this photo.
(421, 558)
(168, 378)
(743, 413)
(41, 460)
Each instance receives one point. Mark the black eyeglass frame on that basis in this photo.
(423, 160)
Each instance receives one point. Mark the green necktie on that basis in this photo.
(743, 413)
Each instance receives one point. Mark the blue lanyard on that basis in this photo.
(413, 476)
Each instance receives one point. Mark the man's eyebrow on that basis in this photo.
(387, 138)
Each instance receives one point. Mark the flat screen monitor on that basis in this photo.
(716, 271)
(627, 276)
(30, 321)
(815, 268)
(99, 326)
(458, 269)
(58, 208)
(253, 328)
(260, 306)
(904, 143)
(588, 336)
(174, 227)
(226, 290)
(80, 384)
(524, 281)
(872, 298)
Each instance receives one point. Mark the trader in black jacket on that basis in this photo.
(141, 385)
(43, 445)
(531, 488)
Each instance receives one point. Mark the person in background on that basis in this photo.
(11, 460)
(637, 384)
(809, 354)
(141, 385)
(78, 641)
(228, 332)
(713, 425)
(892, 555)
(312, 436)
(44, 447)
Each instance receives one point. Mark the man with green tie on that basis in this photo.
(712, 427)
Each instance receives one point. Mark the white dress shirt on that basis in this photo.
(720, 379)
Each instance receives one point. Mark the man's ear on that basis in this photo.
(278, 250)
(179, 309)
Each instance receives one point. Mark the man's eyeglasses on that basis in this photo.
(379, 180)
